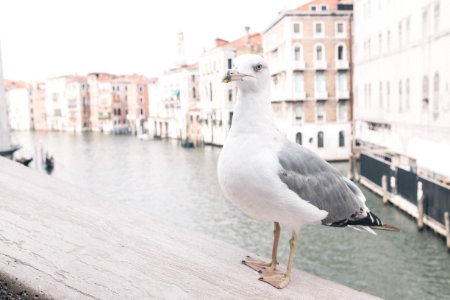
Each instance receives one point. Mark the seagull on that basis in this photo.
(272, 179)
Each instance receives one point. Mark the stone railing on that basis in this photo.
(57, 241)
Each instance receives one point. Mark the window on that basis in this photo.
(324, 7)
(436, 17)
(118, 112)
(230, 95)
(194, 93)
(388, 40)
(380, 43)
(400, 94)
(340, 29)
(400, 34)
(341, 138)
(319, 52)
(342, 111)
(298, 107)
(298, 84)
(425, 89)
(320, 139)
(408, 30)
(320, 82)
(210, 91)
(296, 28)
(193, 78)
(369, 93)
(298, 138)
(436, 96)
(380, 92)
(340, 52)
(297, 53)
(231, 118)
(342, 82)
(230, 63)
(407, 94)
(320, 111)
(388, 95)
(318, 28)
(425, 23)
(313, 8)
(142, 111)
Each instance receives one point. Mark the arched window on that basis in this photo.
(319, 52)
(341, 138)
(340, 52)
(320, 139)
(436, 96)
(298, 138)
(297, 53)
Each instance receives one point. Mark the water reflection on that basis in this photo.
(180, 185)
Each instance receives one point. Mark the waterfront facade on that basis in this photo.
(37, 97)
(65, 102)
(18, 99)
(402, 79)
(217, 99)
(308, 52)
(175, 99)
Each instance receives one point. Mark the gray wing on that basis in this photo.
(317, 182)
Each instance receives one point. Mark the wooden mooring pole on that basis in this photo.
(420, 200)
(384, 186)
(447, 229)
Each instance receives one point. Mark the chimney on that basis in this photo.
(247, 35)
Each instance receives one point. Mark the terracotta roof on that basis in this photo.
(13, 84)
(331, 4)
(253, 41)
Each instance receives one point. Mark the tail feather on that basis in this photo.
(386, 227)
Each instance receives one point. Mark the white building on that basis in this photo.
(19, 103)
(308, 52)
(66, 103)
(176, 94)
(216, 98)
(402, 81)
(5, 139)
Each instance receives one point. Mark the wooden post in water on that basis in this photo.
(384, 186)
(420, 200)
(447, 229)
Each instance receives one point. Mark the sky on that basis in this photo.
(41, 39)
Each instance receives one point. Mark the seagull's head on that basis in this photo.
(250, 73)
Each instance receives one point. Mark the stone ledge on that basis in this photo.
(65, 243)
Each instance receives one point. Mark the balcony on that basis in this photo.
(300, 95)
(299, 65)
(342, 64)
(320, 64)
(321, 95)
(342, 94)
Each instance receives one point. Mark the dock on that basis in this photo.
(60, 242)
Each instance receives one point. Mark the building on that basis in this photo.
(217, 99)
(177, 98)
(5, 138)
(100, 101)
(402, 82)
(137, 103)
(19, 105)
(66, 103)
(308, 52)
(37, 96)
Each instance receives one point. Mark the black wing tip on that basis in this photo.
(371, 220)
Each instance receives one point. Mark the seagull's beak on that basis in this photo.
(233, 75)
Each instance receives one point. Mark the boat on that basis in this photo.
(9, 152)
(24, 161)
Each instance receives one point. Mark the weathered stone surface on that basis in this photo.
(66, 243)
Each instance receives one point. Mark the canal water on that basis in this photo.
(180, 185)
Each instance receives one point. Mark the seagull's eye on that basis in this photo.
(257, 68)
